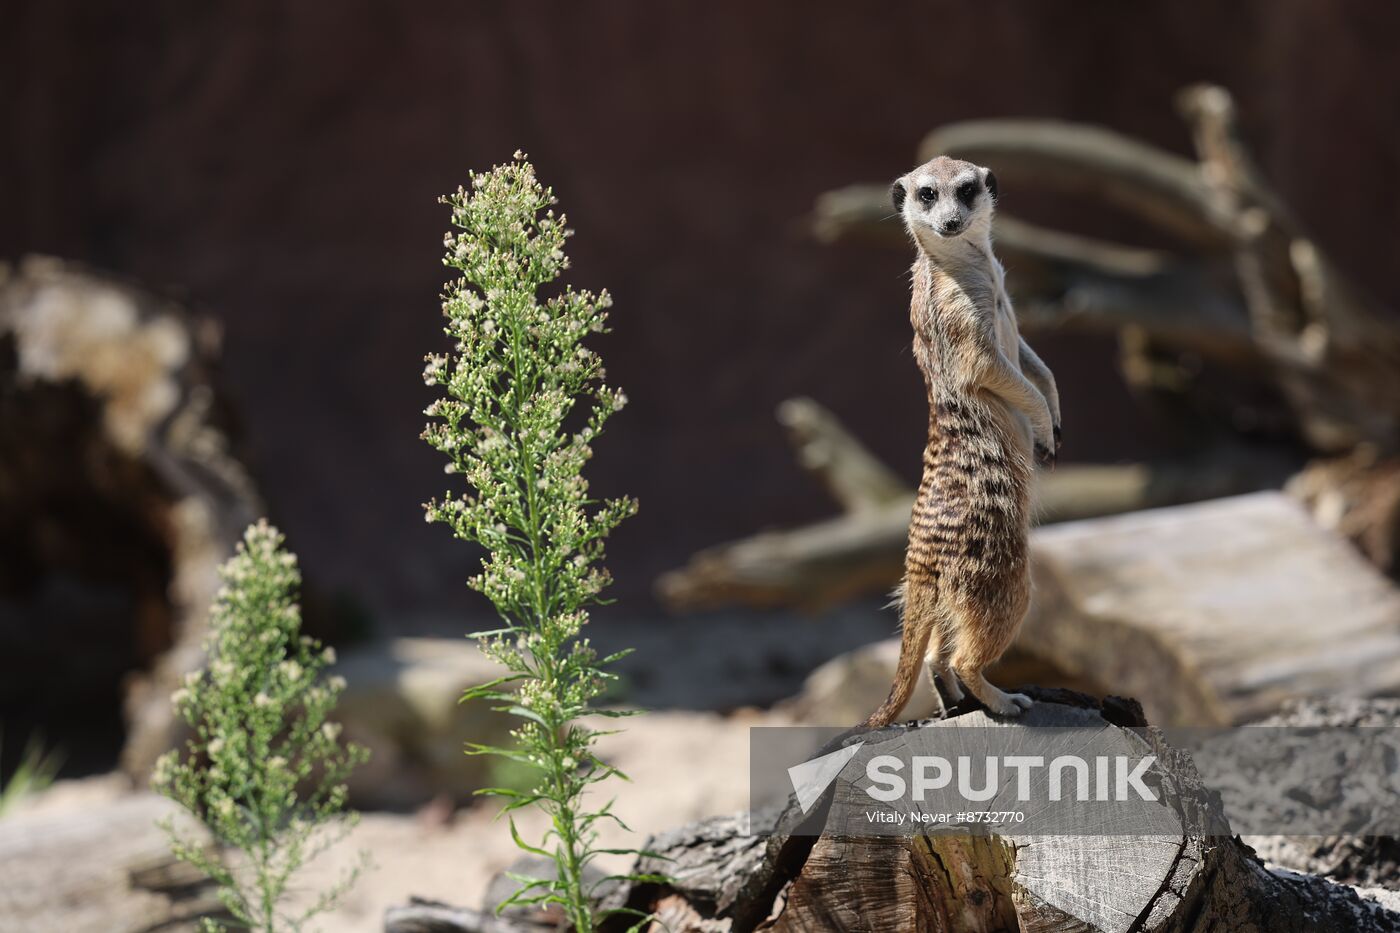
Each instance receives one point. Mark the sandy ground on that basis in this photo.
(683, 765)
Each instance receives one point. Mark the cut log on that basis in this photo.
(1207, 613)
(102, 869)
(1214, 613)
(1047, 884)
(724, 877)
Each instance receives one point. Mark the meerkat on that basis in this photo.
(993, 410)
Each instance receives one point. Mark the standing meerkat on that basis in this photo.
(993, 409)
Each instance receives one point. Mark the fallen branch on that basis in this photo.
(862, 551)
(1161, 187)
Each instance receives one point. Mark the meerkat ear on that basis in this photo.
(990, 180)
(897, 196)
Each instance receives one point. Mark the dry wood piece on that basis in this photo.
(1084, 884)
(725, 879)
(102, 869)
(1214, 613)
(108, 405)
(1208, 613)
(862, 551)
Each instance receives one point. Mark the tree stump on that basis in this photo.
(120, 494)
(726, 879)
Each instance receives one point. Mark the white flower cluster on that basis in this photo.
(523, 402)
(266, 768)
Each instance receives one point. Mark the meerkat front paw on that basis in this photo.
(1044, 455)
(1059, 437)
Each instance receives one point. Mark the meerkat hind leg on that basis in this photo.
(936, 660)
(950, 694)
(982, 637)
(969, 665)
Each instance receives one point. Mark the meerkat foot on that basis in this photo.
(1044, 455)
(999, 702)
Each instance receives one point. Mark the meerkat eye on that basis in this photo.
(927, 195)
(967, 191)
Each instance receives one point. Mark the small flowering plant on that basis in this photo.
(524, 400)
(266, 769)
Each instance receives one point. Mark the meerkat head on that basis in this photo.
(945, 199)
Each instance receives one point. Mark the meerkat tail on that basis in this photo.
(912, 646)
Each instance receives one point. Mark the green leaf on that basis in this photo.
(524, 713)
(522, 844)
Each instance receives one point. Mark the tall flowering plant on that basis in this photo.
(523, 402)
(265, 771)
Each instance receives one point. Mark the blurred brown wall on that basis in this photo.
(279, 164)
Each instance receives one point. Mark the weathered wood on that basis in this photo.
(862, 551)
(1336, 353)
(108, 399)
(1159, 186)
(103, 869)
(1358, 497)
(1208, 613)
(1214, 613)
(728, 879)
(855, 477)
(432, 917)
(1050, 885)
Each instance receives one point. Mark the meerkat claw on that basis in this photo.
(1059, 438)
(1010, 705)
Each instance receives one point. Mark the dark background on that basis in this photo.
(278, 165)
